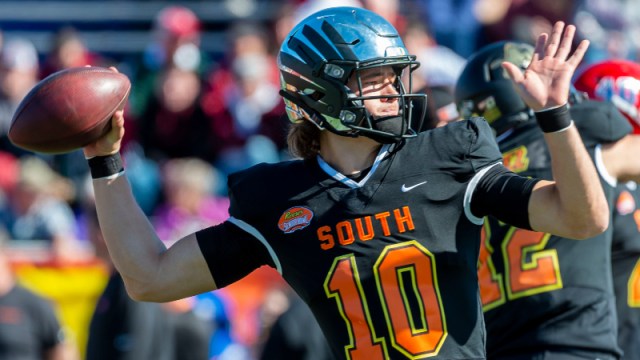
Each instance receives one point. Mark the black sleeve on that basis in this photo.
(484, 150)
(461, 147)
(231, 252)
(503, 195)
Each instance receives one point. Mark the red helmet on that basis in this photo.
(617, 81)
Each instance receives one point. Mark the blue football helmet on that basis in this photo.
(324, 51)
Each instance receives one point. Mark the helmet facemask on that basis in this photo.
(384, 129)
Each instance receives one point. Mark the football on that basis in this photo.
(68, 109)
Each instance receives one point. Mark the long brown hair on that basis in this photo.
(304, 139)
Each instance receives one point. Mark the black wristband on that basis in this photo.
(554, 120)
(105, 166)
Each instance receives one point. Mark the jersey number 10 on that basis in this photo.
(415, 335)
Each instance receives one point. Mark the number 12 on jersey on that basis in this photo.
(529, 268)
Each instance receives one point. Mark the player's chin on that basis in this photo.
(382, 116)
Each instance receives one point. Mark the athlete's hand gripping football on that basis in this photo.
(110, 143)
(546, 82)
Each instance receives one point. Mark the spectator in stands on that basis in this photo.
(40, 210)
(19, 67)
(189, 203)
(8, 180)
(243, 103)
(176, 43)
(524, 20)
(173, 123)
(439, 65)
(612, 27)
(167, 85)
(454, 24)
(164, 102)
(68, 51)
(29, 326)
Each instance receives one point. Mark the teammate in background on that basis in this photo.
(29, 327)
(377, 228)
(544, 296)
(296, 335)
(618, 81)
(120, 328)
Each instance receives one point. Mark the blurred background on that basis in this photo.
(204, 103)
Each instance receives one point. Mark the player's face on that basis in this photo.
(380, 81)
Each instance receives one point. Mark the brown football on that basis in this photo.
(68, 109)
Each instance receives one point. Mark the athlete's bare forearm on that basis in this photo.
(151, 272)
(133, 244)
(573, 205)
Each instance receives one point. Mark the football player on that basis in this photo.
(545, 296)
(618, 81)
(376, 227)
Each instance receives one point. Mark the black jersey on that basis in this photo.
(542, 292)
(388, 264)
(625, 257)
(29, 326)
(124, 329)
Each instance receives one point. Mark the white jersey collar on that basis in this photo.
(384, 150)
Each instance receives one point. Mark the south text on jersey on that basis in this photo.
(365, 228)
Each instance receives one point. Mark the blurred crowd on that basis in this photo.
(192, 119)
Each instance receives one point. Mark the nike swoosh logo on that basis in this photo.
(406, 188)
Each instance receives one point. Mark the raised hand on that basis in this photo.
(547, 80)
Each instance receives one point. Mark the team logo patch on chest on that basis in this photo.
(295, 218)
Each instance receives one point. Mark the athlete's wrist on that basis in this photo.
(107, 166)
(554, 119)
